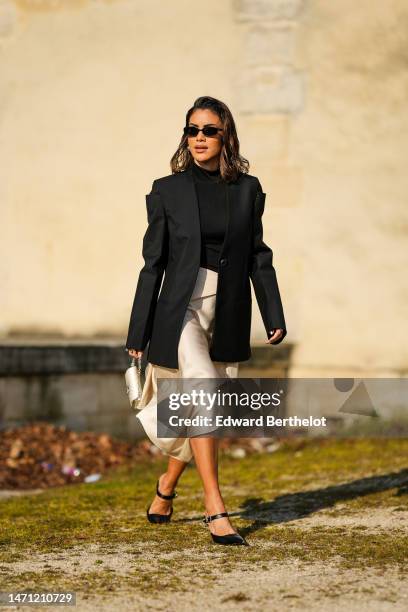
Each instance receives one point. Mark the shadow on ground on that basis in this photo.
(294, 506)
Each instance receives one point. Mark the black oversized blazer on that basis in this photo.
(172, 246)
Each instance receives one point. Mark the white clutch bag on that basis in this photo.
(134, 385)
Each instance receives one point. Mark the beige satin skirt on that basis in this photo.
(194, 362)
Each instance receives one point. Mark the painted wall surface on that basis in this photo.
(93, 96)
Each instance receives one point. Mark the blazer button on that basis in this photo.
(223, 261)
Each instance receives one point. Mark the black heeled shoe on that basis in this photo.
(229, 538)
(161, 518)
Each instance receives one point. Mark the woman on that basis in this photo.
(205, 236)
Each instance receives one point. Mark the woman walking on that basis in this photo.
(205, 237)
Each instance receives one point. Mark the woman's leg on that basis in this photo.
(205, 452)
(195, 363)
(167, 483)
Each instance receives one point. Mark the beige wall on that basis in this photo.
(93, 96)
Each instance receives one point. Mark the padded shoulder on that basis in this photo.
(163, 181)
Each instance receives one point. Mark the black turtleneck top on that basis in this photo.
(212, 201)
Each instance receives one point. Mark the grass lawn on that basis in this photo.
(329, 503)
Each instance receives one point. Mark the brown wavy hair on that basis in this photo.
(232, 164)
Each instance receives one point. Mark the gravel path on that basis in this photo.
(268, 585)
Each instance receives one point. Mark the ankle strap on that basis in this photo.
(172, 496)
(208, 519)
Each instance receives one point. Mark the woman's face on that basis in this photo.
(205, 149)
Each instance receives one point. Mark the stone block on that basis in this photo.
(269, 45)
(8, 20)
(261, 10)
(271, 90)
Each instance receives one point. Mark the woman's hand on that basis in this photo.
(134, 353)
(276, 334)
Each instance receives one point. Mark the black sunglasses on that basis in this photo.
(208, 130)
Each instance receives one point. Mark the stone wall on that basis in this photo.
(93, 96)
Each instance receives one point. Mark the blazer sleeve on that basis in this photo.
(263, 275)
(155, 255)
